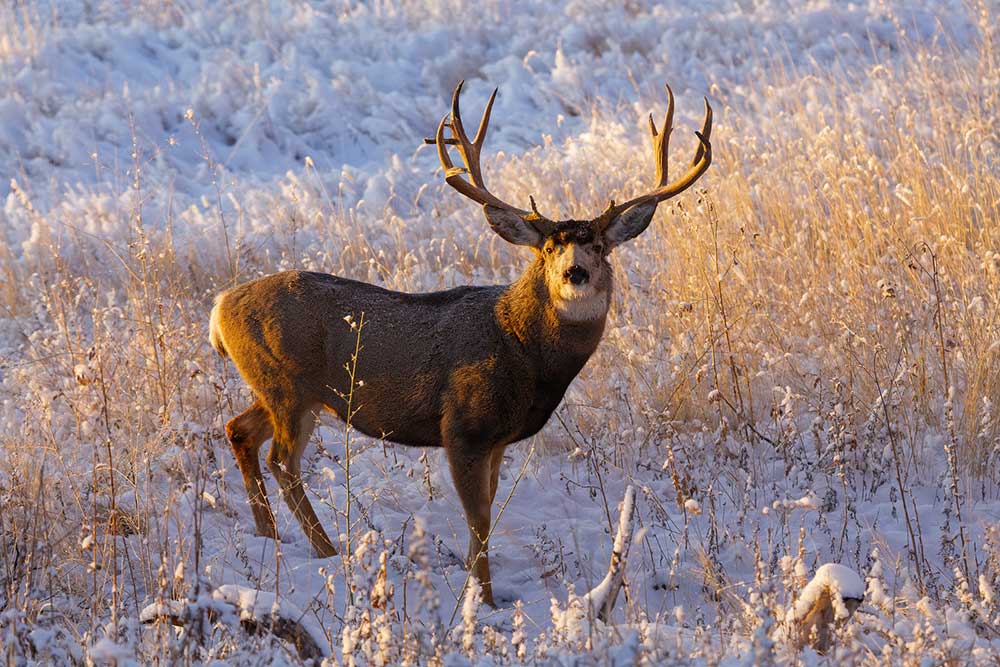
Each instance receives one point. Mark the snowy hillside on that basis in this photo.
(801, 366)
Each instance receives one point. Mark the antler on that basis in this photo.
(474, 188)
(661, 142)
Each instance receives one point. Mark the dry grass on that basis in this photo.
(837, 274)
(847, 229)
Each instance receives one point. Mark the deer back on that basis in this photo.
(490, 359)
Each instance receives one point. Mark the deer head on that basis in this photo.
(573, 253)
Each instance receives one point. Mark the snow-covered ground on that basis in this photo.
(788, 377)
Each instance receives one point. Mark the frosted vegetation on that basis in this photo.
(801, 366)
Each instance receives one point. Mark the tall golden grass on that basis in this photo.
(839, 265)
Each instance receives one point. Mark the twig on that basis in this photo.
(603, 596)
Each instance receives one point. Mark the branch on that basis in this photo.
(601, 600)
(259, 614)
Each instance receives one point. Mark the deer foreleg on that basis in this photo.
(496, 460)
(472, 476)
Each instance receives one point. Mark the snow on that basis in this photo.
(250, 604)
(104, 649)
(840, 582)
(470, 613)
(807, 502)
(272, 135)
(243, 99)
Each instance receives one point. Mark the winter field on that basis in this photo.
(801, 365)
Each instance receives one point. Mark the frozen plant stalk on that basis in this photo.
(602, 598)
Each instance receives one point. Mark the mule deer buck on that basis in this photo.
(471, 369)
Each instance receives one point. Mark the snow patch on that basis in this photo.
(840, 581)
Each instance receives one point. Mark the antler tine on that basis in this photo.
(453, 175)
(470, 156)
(456, 115)
(442, 146)
(664, 190)
(706, 132)
(474, 187)
(470, 149)
(485, 120)
(661, 142)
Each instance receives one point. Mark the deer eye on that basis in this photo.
(549, 250)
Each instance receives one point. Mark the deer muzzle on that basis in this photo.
(576, 274)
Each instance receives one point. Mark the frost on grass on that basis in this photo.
(800, 366)
(806, 503)
(258, 612)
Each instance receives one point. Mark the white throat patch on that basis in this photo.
(589, 306)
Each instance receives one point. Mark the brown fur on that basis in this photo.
(471, 369)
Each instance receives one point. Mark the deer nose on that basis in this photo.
(576, 274)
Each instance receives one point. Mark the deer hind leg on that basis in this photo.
(291, 434)
(246, 433)
(471, 475)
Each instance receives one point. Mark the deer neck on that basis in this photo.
(561, 344)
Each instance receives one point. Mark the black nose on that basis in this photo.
(576, 274)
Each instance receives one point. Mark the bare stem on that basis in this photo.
(352, 373)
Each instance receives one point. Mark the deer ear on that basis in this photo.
(512, 227)
(629, 224)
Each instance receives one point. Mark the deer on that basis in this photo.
(471, 369)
